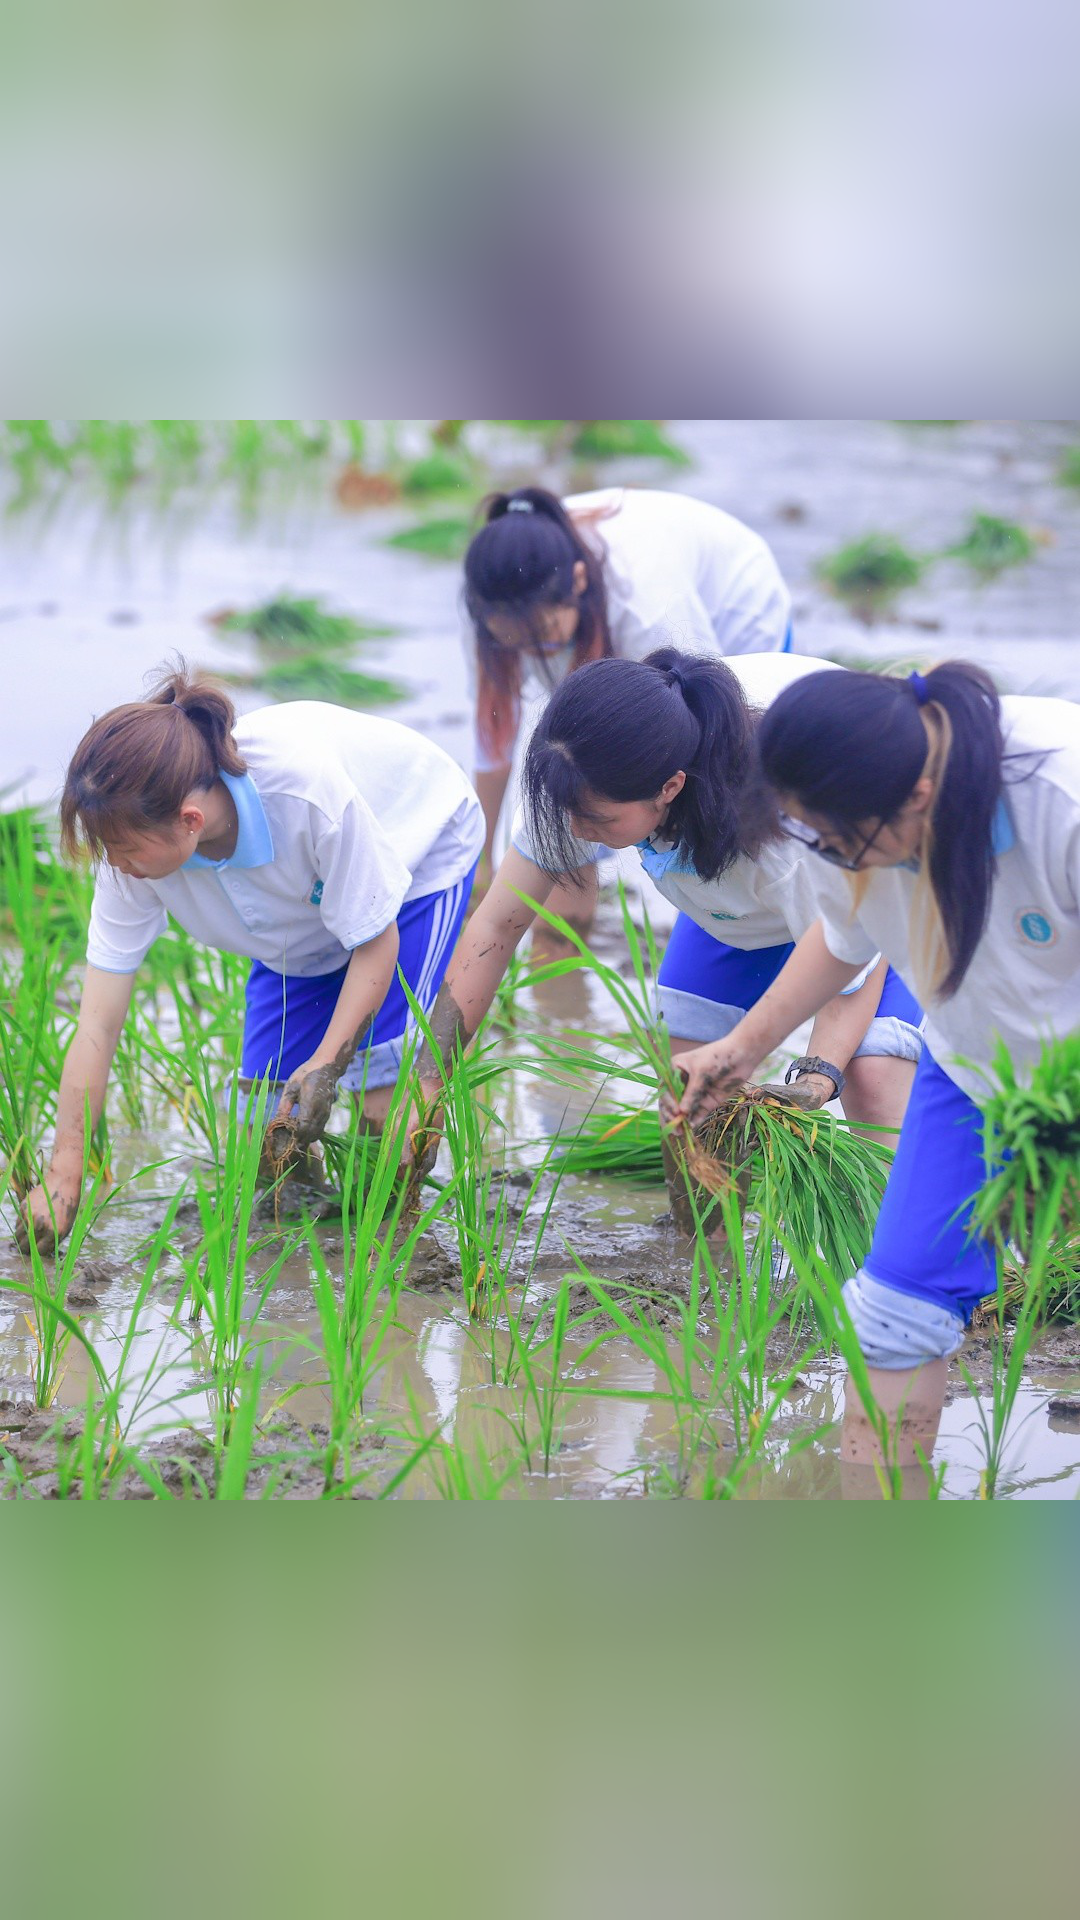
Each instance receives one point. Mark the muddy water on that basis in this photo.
(618, 1438)
(88, 603)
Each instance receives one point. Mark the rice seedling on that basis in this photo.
(1031, 1201)
(991, 545)
(441, 539)
(311, 676)
(380, 1231)
(627, 439)
(869, 574)
(289, 624)
(1069, 469)
(216, 1275)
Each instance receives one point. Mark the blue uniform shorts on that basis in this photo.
(287, 1014)
(704, 987)
(926, 1271)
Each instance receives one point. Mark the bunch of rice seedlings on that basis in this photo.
(869, 573)
(291, 624)
(809, 1174)
(990, 545)
(313, 677)
(1032, 1147)
(627, 1145)
(443, 539)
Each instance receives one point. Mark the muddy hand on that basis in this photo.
(808, 1092)
(306, 1100)
(48, 1215)
(709, 1081)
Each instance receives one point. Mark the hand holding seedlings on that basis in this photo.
(712, 1075)
(307, 1099)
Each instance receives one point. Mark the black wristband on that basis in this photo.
(812, 1063)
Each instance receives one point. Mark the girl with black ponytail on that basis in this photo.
(660, 755)
(551, 585)
(956, 816)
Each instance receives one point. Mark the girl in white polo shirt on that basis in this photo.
(659, 755)
(551, 584)
(329, 846)
(958, 817)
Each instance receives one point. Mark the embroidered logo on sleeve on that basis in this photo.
(1034, 927)
(315, 896)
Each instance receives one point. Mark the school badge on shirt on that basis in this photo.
(1034, 928)
(315, 895)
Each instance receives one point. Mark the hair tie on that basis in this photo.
(520, 506)
(919, 688)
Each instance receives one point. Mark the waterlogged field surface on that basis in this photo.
(626, 1381)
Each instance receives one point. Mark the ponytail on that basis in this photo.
(133, 769)
(619, 729)
(521, 562)
(851, 747)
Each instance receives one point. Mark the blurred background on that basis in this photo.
(322, 558)
(827, 208)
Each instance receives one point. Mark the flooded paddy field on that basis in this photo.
(547, 1334)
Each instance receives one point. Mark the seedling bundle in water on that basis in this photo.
(808, 1173)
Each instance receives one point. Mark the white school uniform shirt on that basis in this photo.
(677, 573)
(342, 818)
(763, 901)
(1023, 984)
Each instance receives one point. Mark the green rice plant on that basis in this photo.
(311, 676)
(1069, 469)
(379, 1234)
(990, 545)
(216, 1275)
(627, 439)
(1031, 1140)
(50, 1323)
(1031, 1200)
(290, 624)
(869, 574)
(442, 539)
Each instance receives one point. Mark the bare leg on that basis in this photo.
(911, 1403)
(577, 906)
(876, 1094)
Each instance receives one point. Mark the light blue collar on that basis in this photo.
(254, 845)
(1002, 831)
(657, 862)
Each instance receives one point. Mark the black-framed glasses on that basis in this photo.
(798, 830)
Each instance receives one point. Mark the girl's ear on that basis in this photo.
(192, 818)
(580, 579)
(921, 796)
(671, 787)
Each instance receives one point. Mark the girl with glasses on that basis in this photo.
(659, 755)
(957, 816)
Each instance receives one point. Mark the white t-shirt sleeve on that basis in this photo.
(126, 918)
(586, 852)
(364, 881)
(845, 936)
